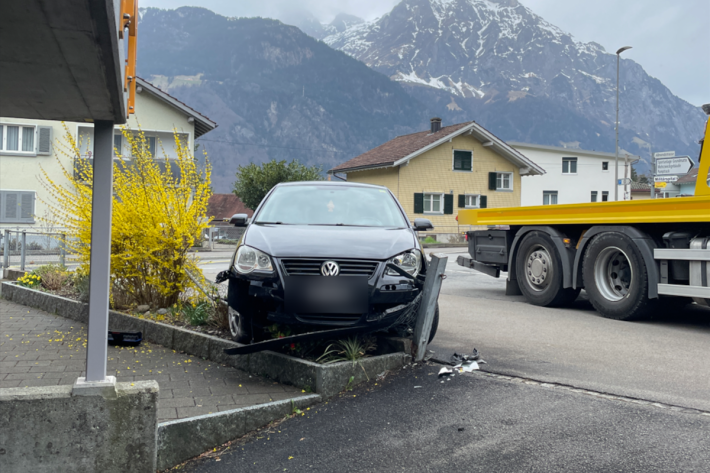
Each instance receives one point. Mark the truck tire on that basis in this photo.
(616, 278)
(540, 273)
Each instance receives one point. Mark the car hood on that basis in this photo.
(320, 241)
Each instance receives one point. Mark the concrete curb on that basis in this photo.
(182, 439)
(326, 380)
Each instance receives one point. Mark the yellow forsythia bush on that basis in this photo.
(157, 217)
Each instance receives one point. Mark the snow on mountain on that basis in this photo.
(474, 57)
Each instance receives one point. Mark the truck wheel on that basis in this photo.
(540, 273)
(615, 277)
(239, 327)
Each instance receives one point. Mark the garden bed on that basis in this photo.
(324, 379)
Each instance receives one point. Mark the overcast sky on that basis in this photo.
(669, 37)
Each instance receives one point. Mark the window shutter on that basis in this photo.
(462, 201)
(492, 184)
(448, 204)
(10, 205)
(483, 200)
(418, 203)
(44, 140)
(27, 200)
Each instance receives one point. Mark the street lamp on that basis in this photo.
(616, 161)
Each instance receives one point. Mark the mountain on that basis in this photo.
(274, 91)
(308, 23)
(496, 62)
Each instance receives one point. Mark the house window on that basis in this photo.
(463, 160)
(605, 165)
(504, 181)
(569, 165)
(605, 196)
(117, 145)
(17, 206)
(150, 140)
(17, 139)
(549, 197)
(433, 203)
(472, 201)
(594, 196)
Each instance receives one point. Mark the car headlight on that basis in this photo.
(250, 259)
(410, 261)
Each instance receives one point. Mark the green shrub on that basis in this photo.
(197, 313)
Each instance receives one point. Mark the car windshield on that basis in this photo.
(331, 205)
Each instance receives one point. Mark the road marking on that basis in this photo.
(597, 394)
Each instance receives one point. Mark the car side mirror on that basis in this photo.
(422, 225)
(239, 220)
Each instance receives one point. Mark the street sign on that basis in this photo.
(624, 181)
(675, 165)
(660, 185)
(670, 178)
(664, 154)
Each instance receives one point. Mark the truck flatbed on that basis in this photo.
(673, 210)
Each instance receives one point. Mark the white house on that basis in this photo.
(29, 146)
(572, 175)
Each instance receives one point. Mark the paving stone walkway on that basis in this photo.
(40, 349)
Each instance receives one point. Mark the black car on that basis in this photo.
(325, 255)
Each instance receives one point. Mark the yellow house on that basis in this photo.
(435, 172)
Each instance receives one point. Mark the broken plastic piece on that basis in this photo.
(445, 372)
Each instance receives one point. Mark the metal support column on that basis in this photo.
(102, 196)
(23, 251)
(63, 250)
(6, 250)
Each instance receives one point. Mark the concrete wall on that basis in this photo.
(433, 172)
(46, 429)
(571, 188)
(25, 172)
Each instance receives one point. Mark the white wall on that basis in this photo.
(571, 188)
(24, 172)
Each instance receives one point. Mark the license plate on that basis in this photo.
(326, 295)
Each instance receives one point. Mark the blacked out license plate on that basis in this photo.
(326, 295)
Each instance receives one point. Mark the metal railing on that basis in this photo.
(24, 248)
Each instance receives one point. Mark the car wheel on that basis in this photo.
(540, 273)
(616, 279)
(239, 327)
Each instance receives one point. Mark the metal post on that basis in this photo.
(6, 251)
(616, 159)
(22, 251)
(427, 308)
(63, 250)
(653, 174)
(102, 185)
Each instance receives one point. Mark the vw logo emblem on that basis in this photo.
(330, 268)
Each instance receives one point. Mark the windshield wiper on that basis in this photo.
(273, 223)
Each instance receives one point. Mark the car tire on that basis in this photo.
(540, 273)
(239, 327)
(616, 278)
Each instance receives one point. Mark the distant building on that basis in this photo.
(435, 172)
(572, 176)
(686, 184)
(221, 207)
(27, 144)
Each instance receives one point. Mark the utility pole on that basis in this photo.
(616, 161)
(653, 173)
(626, 176)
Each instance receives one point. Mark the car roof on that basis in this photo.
(329, 183)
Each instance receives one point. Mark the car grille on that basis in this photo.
(311, 267)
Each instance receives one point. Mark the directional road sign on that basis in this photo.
(624, 181)
(669, 178)
(675, 165)
(664, 154)
(660, 185)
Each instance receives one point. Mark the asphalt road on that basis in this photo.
(664, 360)
(471, 424)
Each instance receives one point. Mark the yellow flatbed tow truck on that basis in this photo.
(629, 256)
